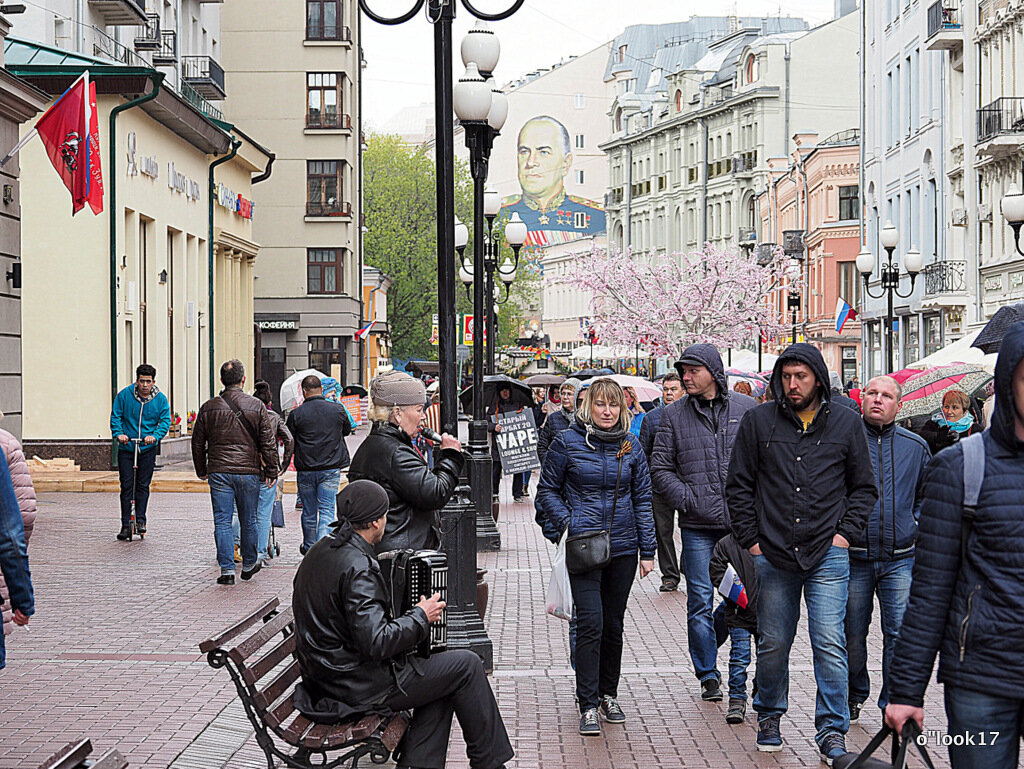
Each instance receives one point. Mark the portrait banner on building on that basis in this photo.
(517, 442)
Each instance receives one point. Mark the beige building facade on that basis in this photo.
(295, 83)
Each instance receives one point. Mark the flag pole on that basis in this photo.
(33, 133)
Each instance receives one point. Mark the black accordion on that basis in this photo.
(410, 574)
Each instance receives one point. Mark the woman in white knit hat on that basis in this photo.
(388, 457)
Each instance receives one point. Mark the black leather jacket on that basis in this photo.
(346, 640)
(416, 493)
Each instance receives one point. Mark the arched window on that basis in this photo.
(751, 68)
(679, 101)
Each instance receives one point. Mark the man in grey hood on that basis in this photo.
(689, 466)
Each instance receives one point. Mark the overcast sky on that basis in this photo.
(400, 59)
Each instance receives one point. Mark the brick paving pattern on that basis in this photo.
(113, 654)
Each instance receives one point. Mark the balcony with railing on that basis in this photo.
(1001, 125)
(613, 197)
(318, 29)
(338, 208)
(945, 26)
(117, 13)
(167, 54)
(943, 280)
(106, 47)
(205, 75)
(765, 253)
(197, 100)
(747, 235)
(318, 119)
(148, 38)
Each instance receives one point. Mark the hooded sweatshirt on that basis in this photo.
(790, 489)
(970, 613)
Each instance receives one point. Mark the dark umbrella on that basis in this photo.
(543, 380)
(354, 389)
(990, 337)
(522, 395)
(590, 373)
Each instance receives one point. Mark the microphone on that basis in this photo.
(430, 435)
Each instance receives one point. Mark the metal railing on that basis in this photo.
(945, 278)
(148, 38)
(328, 120)
(943, 15)
(1003, 116)
(747, 234)
(106, 47)
(168, 51)
(328, 208)
(203, 71)
(197, 100)
(765, 253)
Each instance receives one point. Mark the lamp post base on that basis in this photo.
(478, 472)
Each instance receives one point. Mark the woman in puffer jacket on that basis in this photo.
(26, 495)
(585, 466)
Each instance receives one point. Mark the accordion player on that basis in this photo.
(410, 574)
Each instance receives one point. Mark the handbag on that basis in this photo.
(593, 550)
(900, 746)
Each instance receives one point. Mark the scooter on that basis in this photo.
(132, 527)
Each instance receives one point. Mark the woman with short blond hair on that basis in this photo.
(595, 478)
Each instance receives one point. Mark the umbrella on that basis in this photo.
(922, 394)
(590, 373)
(355, 389)
(758, 384)
(990, 337)
(291, 388)
(522, 395)
(544, 380)
(645, 391)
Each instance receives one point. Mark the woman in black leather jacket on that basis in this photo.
(389, 458)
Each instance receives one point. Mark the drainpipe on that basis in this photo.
(807, 255)
(235, 144)
(266, 171)
(157, 79)
(862, 91)
(785, 137)
(628, 229)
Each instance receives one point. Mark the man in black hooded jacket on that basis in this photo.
(355, 657)
(968, 610)
(800, 490)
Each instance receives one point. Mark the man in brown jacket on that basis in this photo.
(234, 448)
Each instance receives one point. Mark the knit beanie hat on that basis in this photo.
(396, 388)
(574, 383)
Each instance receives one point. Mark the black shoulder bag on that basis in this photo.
(593, 550)
(247, 425)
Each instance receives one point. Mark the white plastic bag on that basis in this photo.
(559, 596)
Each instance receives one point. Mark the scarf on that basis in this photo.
(962, 425)
(615, 435)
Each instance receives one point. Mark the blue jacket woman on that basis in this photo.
(593, 470)
(13, 556)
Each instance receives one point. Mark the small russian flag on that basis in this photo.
(844, 312)
(365, 330)
(732, 588)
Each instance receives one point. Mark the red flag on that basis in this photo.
(94, 193)
(64, 129)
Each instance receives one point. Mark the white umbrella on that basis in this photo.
(959, 351)
(291, 388)
(645, 390)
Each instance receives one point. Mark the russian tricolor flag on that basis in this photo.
(843, 313)
(365, 330)
(732, 588)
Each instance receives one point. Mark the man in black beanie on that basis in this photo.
(356, 658)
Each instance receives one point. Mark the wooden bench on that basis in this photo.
(261, 661)
(73, 756)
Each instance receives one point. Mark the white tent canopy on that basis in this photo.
(605, 352)
(746, 360)
(959, 351)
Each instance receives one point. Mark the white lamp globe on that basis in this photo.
(515, 230)
(471, 97)
(1012, 206)
(481, 47)
(492, 202)
(499, 106)
(889, 237)
(913, 261)
(865, 262)
(466, 276)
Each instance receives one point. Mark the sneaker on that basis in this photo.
(140, 527)
(238, 555)
(769, 739)
(669, 585)
(226, 579)
(737, 712)
(124, 534)
(611, 711)
(517, 499)
(833, 746)
(247, 575)
(526, 492)
(590, 723)
(303, 549)
(711, 690)
(855, 708)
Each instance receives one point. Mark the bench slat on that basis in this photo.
(70, 756)
(279, 715)
(361, 730)
(268, 696)
(297, 730)
(253, 673)
(394, 732)
(316, 736)
(240, 653)
(219, 640)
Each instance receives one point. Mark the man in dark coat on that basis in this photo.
(689, 466)
(664, 513)
(968, 610)
(355, 657)
(800, 490)
(882, 562)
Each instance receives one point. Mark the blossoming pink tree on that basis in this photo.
(721, 296)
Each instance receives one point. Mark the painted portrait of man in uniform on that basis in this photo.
(544, 159)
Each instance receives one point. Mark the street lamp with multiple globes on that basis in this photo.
(793, 272)
(889, 237)
(1012, 206)
(465, 628)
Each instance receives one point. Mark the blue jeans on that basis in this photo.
(890, 580)
(318, 490)
(263, 510)
(700, 595)
(980, 716)
(824, 589)
(739, 661)
(228, 491)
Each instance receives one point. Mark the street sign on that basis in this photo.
(435, 333)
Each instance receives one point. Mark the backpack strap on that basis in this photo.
(974, 474)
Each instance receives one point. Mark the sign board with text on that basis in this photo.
(517, 442)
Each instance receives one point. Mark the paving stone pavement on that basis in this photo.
(112, 654)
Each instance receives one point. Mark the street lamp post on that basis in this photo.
(465, 628)
(793, 272)
(890, 279)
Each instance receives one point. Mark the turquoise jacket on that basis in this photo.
(131, 417)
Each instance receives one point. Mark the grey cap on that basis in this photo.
(396, 388)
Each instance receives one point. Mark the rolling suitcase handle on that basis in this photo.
(900, 747)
